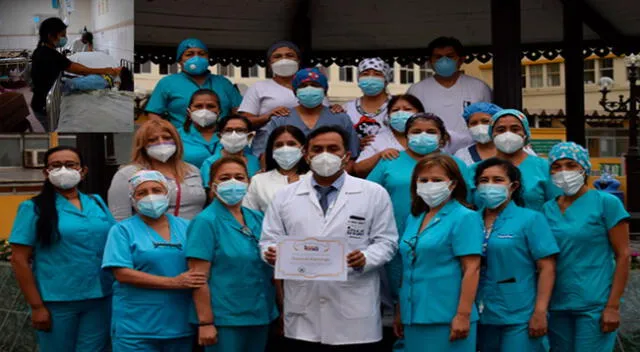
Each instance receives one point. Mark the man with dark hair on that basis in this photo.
(332, 204)
(449, 91)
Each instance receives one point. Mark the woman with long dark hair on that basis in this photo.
(198, 133)
(48, 63)
(64, 231)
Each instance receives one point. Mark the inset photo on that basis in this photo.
(66, 66)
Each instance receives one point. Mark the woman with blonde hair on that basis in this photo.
(157, 146)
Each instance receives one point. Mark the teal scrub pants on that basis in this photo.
(77, 326)
(435, 337)
(571, 331)
(240, 339)
(152, 345)
(506, 338)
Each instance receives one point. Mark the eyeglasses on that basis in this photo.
(68, 165)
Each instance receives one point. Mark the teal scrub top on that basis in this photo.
(69, 269)
(196, 148)
(432, 272)
(172, 95)
(508, 280)
(140, 312)
(241, 286)
(586, 263)
(537, 187)
(253, 165)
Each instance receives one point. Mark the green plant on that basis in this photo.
(5, 250)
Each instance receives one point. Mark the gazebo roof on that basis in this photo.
(240, 31)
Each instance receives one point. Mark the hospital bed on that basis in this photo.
(97, 111)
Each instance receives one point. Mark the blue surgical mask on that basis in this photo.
(424, 143)
(446, 66)
(196, 65)
(493, 195)
(231, 192)
(370, 85)
(398, 120)
(153, 205)
(62, 42)
(310, 97)
(287, 156)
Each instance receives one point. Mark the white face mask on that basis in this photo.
(508, 142)
(285, 67)
(569, 181)
(161, 152)
(204, 117)
(287, 157)
(234, 142)
(434, 193)
(480, 134)
(64, 178)
(326, 164)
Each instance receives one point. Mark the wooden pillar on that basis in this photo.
(573, 71)
(301, 30)
(92, 148)
(506, 48)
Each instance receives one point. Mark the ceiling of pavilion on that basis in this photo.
(342, 31)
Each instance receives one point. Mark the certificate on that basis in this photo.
(309, 258)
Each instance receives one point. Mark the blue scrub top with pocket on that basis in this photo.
(196, 148)
(432, 271)
(241, 284)
(172, 95)
(508, 279)
(253, 165)
(586, 263)
(140, 312)
(70, 268)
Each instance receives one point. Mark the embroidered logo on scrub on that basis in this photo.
(355, 227)
(506, 235)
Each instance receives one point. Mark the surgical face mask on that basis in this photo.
(398, 120)
(480, 134)
(234, 142)
(326, 164)
(434, 193)
(569, 181)
(62, 42)
(64, 178)
(285, 67)
(287, 157)
(204, 117)
(508, 142)
(153, 205)
(371, 85)
(446, 66)
(310, 97)
(231, 192)
(424, 143)
(162, 152)
(493, 195)
(196, 65)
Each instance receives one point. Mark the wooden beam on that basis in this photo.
(506, 48)
(597, 23)
(301, 30)
(574, 70)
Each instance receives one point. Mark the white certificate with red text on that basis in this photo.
(310, 258)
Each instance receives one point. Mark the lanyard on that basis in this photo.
(485, 243)
(372, 115)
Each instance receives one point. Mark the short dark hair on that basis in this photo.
(301, 167)
(411, 99)
(197, 93)
(329, 129)
(427, 116)
(88, 36)
(50, 26)
(215, 167)
(513, 173)
(224, 121)
(443, 42)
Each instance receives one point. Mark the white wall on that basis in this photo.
(113, 27)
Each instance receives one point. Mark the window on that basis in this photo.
(346, 74)
(146, 67)
(249, 72)
(553, 75)
(406, 74)
(606, 68)
(226, 70)
(589, 72)
(425, 71)
(536, 78)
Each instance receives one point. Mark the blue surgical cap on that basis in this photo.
(487, 108)
(188, 44)
(573, 151)
(309, 75)
(143, 176)
(511, 112)
(283, 44)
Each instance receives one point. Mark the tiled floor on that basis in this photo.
(15, 324)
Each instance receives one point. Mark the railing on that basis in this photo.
(54, 98)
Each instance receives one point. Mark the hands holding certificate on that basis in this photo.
(355, 259)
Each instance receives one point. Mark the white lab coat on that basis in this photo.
(263, 187)
(331, 312)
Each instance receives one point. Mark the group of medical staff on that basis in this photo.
(485, 247)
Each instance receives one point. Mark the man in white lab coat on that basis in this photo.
(331, 315)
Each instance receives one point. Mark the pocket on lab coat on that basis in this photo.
(357, 299)
(297, 296)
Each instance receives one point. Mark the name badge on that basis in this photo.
(506, 236)
(356, 227)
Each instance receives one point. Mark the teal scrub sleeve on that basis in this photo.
(253, 164)
(204, 171)
(104, 208)
(233, 94)
(201, 241)
(24, 225)
(117, 251)
(468, 234)
(377, 174)
(259, 143)
(613, 210)
(158, 102)
(540, 239)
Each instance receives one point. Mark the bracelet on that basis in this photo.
(205, 324)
